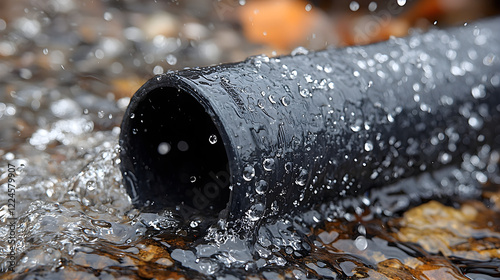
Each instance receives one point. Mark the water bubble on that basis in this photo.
(354, 6)
(372, 6)
(488, 60)
(366, 201)
(302, 178)
(134, 130)
(261, 187)
(268, 164)
(99, 54)
(271, 99)
(163, 148)
(381, 58)
(478, 92)
(457, 71)
(480, 40)
(304, 92)
(361, 243)
(65, 108)
(25, 73)
(194, 224)
(183, 146)
(481, 177)
(472, 54)
(368, 146)
(7, 48)
(357, 125)
(29, 27)
(212, 139)
(171, 59)
(284, 101)
(416, 87)
(255, 212)
(288, 167)
(299, 50)
(381, 74)
(361, 64)
(467, 66)
(445, 158)
(192, 179)
(257, 62)
(362, 229)
(108, 16)
(91, 185)
(446, 100)
(260, 103)
(248, 173)
(416, 97)
(401, 2)
(394, 66)
(495, 80)
(116, 67)
(425, 108)
(158, 70)
(328, 69)
(308, 7)
(475, 122)
(451, 54)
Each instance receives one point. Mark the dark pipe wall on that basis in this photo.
(270, 135)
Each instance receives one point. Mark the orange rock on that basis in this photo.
(394, 269)
(126, 87)
(283, 24)
(442, 271)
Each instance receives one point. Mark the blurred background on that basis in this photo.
(114, 46)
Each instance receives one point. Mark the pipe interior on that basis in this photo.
(180, 159)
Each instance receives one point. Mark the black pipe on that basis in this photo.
(269, 135)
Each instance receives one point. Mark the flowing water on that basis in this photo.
(64, 212)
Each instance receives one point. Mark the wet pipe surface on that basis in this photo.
(424, 122)
(74, 219)
(297, 130)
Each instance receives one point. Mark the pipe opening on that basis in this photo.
(178, 155)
